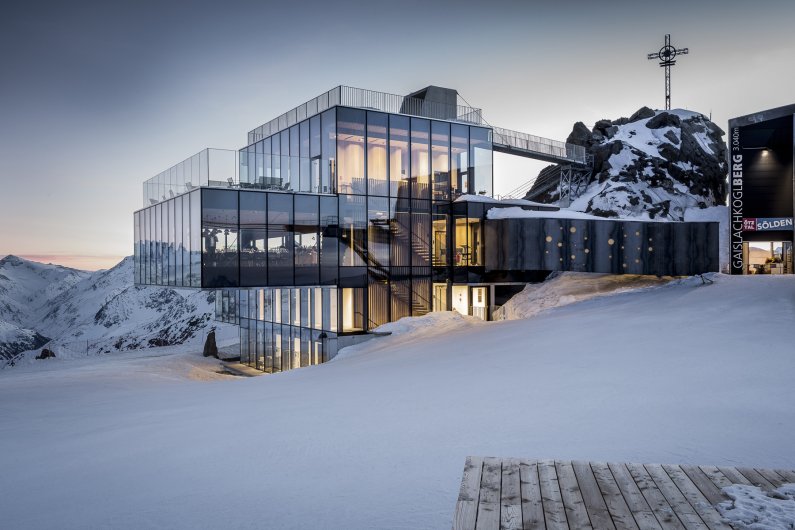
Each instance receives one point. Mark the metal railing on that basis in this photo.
(208, 167)
(537, 144)
(367, 99)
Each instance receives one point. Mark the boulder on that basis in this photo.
(210, 348)
(45, 354)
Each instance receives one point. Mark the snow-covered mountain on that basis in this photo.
(654, 165)
(81, 312)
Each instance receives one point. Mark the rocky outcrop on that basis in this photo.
(654, 164)
(45, 354)
(210, 348)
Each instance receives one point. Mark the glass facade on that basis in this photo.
(340, 223)
(282, 328)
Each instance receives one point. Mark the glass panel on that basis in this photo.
(276, 162)
(420, 233)
(169, 239)
(328, 182)
(329, 229)
(295, 160)
(195, 238)
(178, 241)
(350, 151)
(280, 239)
(378, 227)
(377, 302)
(307, 262)
(314, 133)
(287, 177)
(459, 156)
(353, 230)
(304, 154)
(420, 159)
(219, 235)
(186, 240)
(260, 168)
(398, 156)
(400, 293)
(481, 160)
(376, 154)
(440, 160)
(243, 169)
(159, 244)
(440, 241)
(400, 231)
(352, 309)
(420, 295)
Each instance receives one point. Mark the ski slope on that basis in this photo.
(676, 372)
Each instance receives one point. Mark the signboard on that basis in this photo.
(765, 224)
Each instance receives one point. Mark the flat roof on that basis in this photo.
(763, 115)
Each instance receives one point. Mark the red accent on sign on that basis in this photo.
(749, 224)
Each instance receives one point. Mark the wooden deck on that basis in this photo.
(510, 494)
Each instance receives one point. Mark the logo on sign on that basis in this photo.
(749, 225)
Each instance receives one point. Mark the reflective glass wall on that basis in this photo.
(167, 242)
(282, 328)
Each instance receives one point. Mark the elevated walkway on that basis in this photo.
(538, 148)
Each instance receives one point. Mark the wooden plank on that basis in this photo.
(683, 510)
(659, 505)
(510, 497)
(637, 504)
(592, 497)
(788, 475)
(576, 514)
(755, 478)
(708, 489)
(465, 515)
(717, 478)
(532, 507)
(489, 503)
(466, 508)
(703, 507)
(771, 476)
(734, 476)
(616, 505)
(554, 511)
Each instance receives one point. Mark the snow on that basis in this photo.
(561, 289)
(516, 212)
(676, 373)
(753, 509)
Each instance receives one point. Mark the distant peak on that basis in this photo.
(12, 260)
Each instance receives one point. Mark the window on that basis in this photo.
(307, 266)
(399, 156)
(459, 156)
(253, 239)
(280, 239)
(353, 230)
(219, 237)
(329, 229)
(440, 160)
(328, 140)
(378, 227)
(306, 180)
(350, 151)
(420, 159)
(377, 183)
(481, 159)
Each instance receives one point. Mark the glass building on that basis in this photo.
(337, 217)
(352, 210)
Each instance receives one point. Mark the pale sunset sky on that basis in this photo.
(96, 97)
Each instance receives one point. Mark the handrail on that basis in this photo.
(538, 144)
(348, 96)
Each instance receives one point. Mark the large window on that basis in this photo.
(350, 151)
(280, 239)
(306, 240)
(377, 125)
(440, 160)
(219, 238)
(459, 159)
(329, 230)
(328, 140)
(378, 231)
(253, 239)
(399, 156)
(420, 158)
(353, 230)
(481, 160)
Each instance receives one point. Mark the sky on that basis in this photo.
(96, 97)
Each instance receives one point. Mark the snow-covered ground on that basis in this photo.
(675, 373)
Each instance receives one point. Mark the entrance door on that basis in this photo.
(480, 302)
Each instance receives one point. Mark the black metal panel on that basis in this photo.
(605, 246)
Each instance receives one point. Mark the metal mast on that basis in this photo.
(666, 55)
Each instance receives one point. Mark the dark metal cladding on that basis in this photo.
(605, 246)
